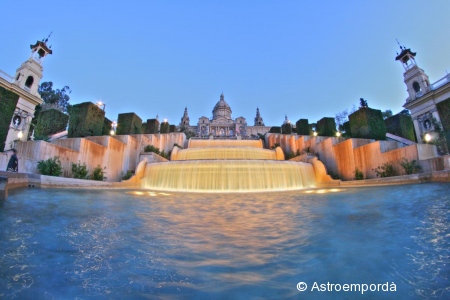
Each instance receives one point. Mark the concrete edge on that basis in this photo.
(12, 180)
(435, 176)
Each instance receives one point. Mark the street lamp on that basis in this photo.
(427, 137)
(100, 104)
(338, 134)
(113, 128)
(315, 133)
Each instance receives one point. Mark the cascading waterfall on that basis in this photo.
(244, 153)
(216, 167)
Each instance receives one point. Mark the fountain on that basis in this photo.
(228, 166)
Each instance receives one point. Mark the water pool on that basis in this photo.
(124, 244)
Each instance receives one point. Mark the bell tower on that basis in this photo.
(258, 119)
(29, 74)
(185, 118)
(417, 82)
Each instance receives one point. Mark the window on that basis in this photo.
(416, 87)
(29, 82)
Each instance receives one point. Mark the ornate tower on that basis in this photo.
(29, 74)
(185, 118)
(258, 120)
(25, 85)
(417, 82)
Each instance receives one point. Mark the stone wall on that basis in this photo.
(342, 156)
(118, 153)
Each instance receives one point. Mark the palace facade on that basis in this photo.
(222, 124)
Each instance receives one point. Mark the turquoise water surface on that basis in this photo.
(125, 244)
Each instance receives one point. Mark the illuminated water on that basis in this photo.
(75, 244)
(193, 143)
(209, 153)
(227, 165)
(228, 175)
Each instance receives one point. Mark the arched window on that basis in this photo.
(416, 87)
(29, 81)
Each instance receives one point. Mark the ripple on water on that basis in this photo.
(118, 244)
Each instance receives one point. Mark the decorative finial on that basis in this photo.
(46, 40)
(401, 48)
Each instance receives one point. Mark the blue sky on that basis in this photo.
(306, 59)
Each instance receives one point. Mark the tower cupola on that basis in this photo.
(417, 82)
(29, 74)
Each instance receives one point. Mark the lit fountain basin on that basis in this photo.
(228, 166)
(228, 176)
(246, 153)
(225, 143)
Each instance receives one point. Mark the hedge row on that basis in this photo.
(275, 129)
(302, 126)
(401, 125)
(85, 119)
(367, 123)
(107, 123)
(129, 123)
(151, 127)
(8, 103)
(326, 127)
(165, 127)
(50, 121)
(286, 128)
(443, 109)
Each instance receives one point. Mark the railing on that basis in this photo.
(5, 76)
(441, 82)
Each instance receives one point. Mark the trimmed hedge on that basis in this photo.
(129, 123)
(106, 126)
(302, 126)
(401, 125)
(443, 109)
(367, 123)
(326, 127)
(346, 128)
(286, 128)
(165, 127)
(151, 127)
(85, 119)
(275, 129)
(8, 103)
(172, 128)
(50, 121)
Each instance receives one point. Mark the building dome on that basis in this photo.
(222, 109)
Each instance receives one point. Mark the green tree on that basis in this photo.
(57, 99)
(386, 114)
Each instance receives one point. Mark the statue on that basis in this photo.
(363, 103)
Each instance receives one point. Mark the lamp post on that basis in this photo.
(338, 134)
(100, 104)
(427, 138)
(113, 128)
(315, 133)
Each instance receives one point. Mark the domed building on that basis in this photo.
(222, 124)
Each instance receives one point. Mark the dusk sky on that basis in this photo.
(306, 59)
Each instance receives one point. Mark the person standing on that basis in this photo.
(13, 164)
